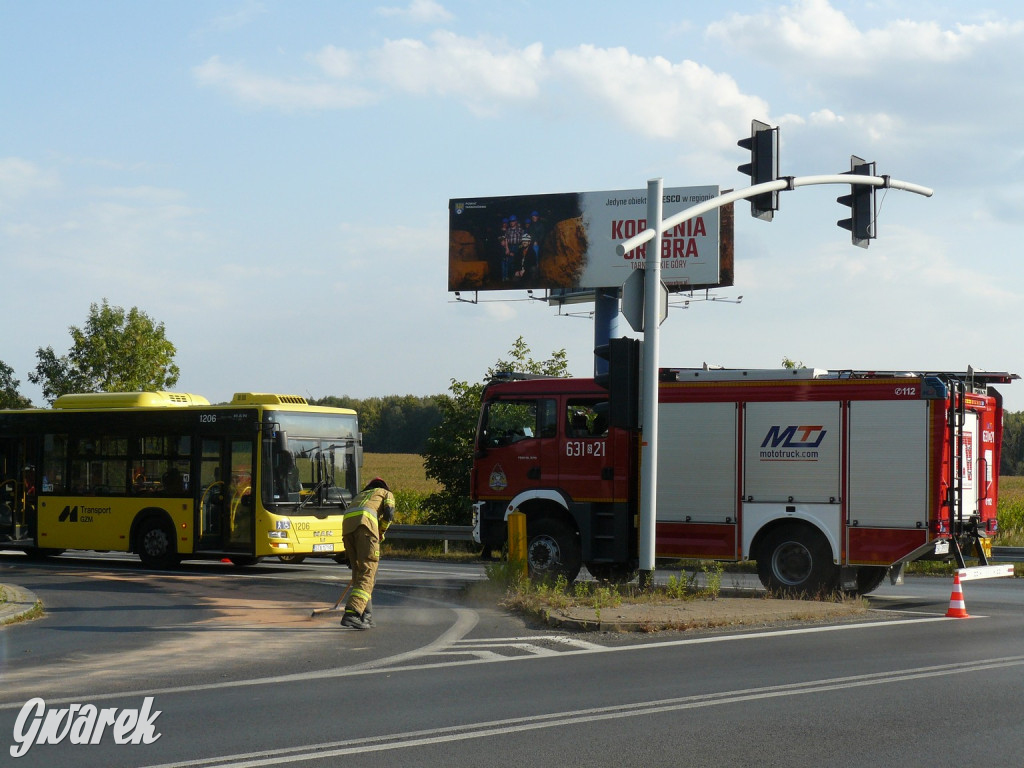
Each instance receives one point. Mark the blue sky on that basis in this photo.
(271, 179)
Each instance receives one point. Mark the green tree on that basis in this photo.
(116, 351)
(448, 457)
(9, 395)
(1011, 460)
(394, 423)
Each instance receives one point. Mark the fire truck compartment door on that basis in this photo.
(697, 471)
(792, 452)
(970, 445)
(888, 475)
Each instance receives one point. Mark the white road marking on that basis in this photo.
(568, 718)
(465, 621)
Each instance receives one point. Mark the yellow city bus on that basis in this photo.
(169, 477)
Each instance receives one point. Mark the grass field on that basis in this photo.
(402, 471)
(404, 474)
(1011, 512)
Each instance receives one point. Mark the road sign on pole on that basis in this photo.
(633, 300)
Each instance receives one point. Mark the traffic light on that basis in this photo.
(622, 380)
(763, 166)
(861, 201)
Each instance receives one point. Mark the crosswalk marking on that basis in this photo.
(502, 647)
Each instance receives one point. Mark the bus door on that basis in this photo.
(241, 495)
(212, 509)
(17, 489)
(9, 483)
(225, 514)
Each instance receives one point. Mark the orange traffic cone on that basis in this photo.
(957, 609)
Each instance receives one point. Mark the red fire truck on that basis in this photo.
(828, 479)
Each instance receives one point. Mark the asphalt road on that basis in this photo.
(241, 675)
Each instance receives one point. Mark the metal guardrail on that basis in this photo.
(431, 532)
(1008, 554)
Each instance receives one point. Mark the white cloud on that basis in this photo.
(916, 262)
(336, 62)
(823, 37)
(658, 98)
(277, 92)
(140, 194)
(651, 95)
(239, 18)
(485, 74)
(18, 177)
(418, 11)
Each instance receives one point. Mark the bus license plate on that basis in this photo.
(323, 547)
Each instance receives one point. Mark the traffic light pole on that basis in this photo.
(786, 183)
(606, 323)
(649, 388)
(652, 284)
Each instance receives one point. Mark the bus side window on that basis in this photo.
(172, 481)
(55, 454)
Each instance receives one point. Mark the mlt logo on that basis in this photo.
(794, 437)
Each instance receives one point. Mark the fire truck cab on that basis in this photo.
(827, 479)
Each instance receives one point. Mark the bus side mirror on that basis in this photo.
(281, 442)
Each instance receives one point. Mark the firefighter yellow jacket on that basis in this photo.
(374, 508)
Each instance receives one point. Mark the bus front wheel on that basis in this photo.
(156, 546)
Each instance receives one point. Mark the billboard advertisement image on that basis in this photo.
(567, 241)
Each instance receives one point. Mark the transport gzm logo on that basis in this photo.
(84, 515)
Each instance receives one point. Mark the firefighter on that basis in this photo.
(371, 513)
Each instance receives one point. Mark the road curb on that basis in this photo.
(696, 614)
(20, 601)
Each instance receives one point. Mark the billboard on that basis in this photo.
(567, 241)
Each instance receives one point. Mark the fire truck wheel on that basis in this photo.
(796, 560)
(553, 550)
(156, 546)
(870, 578)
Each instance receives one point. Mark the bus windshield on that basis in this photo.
(316, 466)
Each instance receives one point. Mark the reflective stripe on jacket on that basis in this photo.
(367, 509)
